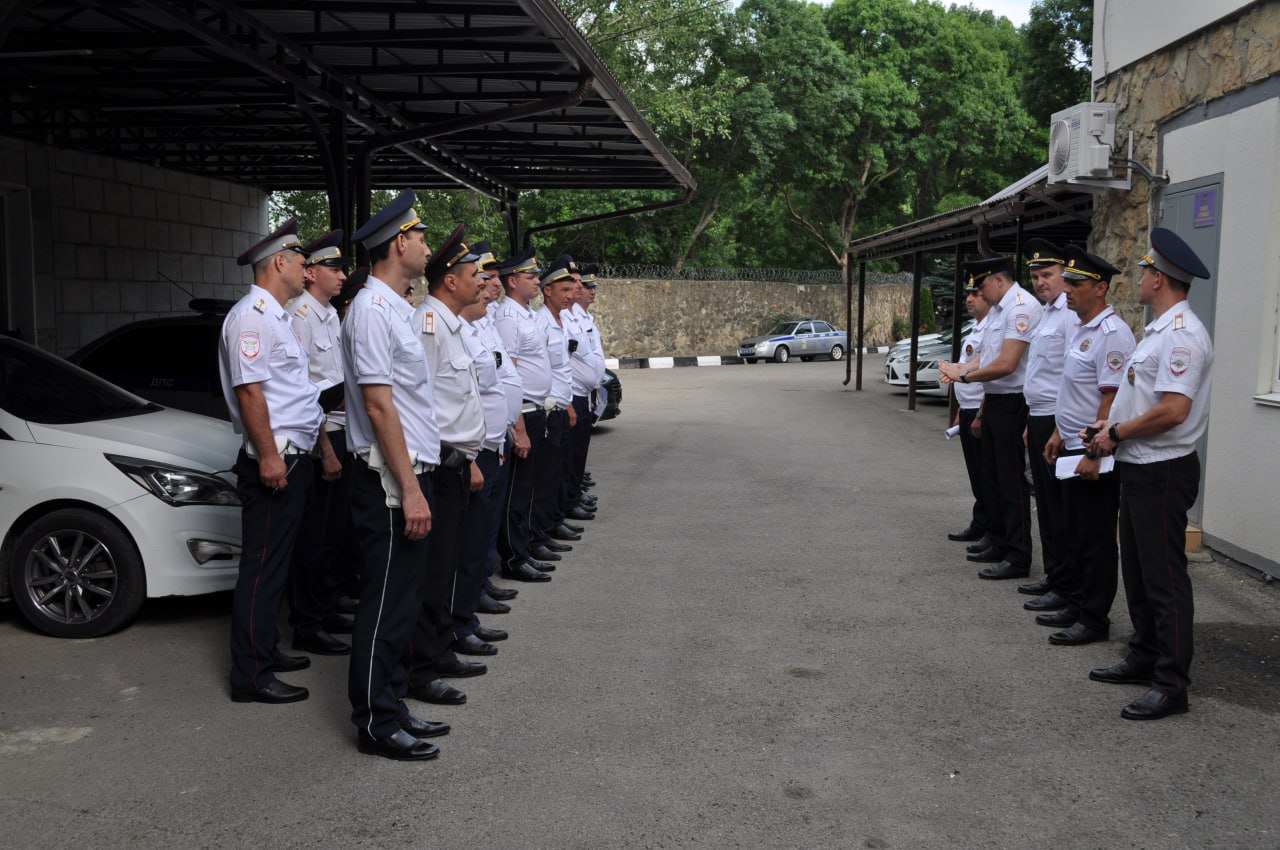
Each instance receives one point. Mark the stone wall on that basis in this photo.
(1219, 60)
(106, 236)
(666, 318)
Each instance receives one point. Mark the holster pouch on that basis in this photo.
(389, 484)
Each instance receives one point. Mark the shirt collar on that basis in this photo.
(1164, 320)
(270, 306)
(1059, 302)
(403, 309)
(435, 305)
(323, 311)
(1097, 320)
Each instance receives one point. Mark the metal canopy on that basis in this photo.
(283, 94)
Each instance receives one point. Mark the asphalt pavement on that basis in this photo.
(765, 640)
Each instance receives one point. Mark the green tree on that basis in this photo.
(1057, 48)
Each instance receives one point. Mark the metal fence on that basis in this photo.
(646, 271)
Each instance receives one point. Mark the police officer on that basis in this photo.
(548, 505)
(453, 282)
(1160, 411)
(590, 283)
(968, 415)
(586, 366)
(274, 405)
(1045, 363)
(1096, 354)
(1011, 322)
(527, 346)
(392, 432)
(314, 577)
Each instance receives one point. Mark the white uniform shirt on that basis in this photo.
(258, 346)
(969, 395)
(1095, 360)
(1045, 357)
(507, 372)
(320, 333)
(1175, 356)
(1015, 317)
(586, 366)
(493, 399)
(380, 346)
(527, 343)
(558, 355)
(455, 388)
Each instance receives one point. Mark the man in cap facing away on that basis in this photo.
(274, 405)
(1160, 412)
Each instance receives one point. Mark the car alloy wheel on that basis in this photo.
(76, 574)
(837, 352)
(782, 355)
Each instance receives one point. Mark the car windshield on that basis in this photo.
(783, 328)
(39, 387)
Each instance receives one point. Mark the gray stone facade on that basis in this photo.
(107, 236)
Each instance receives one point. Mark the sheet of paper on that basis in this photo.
(952, 431)
(1066, 466)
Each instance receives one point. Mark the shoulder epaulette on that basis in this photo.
(1179, 322)
(302, 311)
(1109, 325)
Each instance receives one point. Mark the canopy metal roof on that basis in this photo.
(496, 95)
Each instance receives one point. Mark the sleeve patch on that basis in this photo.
(1179, 360)
(1115, 359)
(1021, 322)
(250, 344)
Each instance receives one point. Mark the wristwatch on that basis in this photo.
(1114, 435)
(964, 377)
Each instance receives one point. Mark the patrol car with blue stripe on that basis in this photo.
(804, 338)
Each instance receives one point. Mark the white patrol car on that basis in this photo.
(803, 338)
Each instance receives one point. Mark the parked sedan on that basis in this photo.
(106, 498)
(928, 377)
(803, 338)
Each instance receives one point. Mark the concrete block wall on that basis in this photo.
(108, 235)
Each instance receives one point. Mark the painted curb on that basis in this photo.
(702, 360)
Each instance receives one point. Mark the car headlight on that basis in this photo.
(932, 364)
(762, 345)
(176, 485)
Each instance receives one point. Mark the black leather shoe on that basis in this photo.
(588, 501)
(587, 485)
(440, 692)
(581, 515)
(1051, 601)
(541, 566)
(273, 692)
(990, 555)
(460, 669)
(487, 634)
(573, 529)
(560, 532)
(419, 728)
(320, 643)
(557, 546)
(336, 624)
(984, 542)
(587, 479)
(489, 605)
(347, 605)
(1121, 673)
(1155, 704)
(1078, 634)
(1004, 570)
(401, 746)
(1058, 619)
(1036, 588)
(542, 553)
(472, 645)
(502, 594)
(522, 572)
(965, 535)
(281, 663)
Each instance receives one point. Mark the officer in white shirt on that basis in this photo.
(315, 574)
(1096, 355)
(1046, 358)
(1160, 412)
(527, 346)
(274, 405)
(1011, 323)
(392, 431)
(548, 503)
(586, 364)
(453, 282)
(968, 416)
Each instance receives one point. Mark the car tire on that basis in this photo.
(782, 354)
(749, 359)
(837, 352)
(76, 574)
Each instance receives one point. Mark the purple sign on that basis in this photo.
(1206, 211)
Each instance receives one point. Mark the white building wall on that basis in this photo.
(1242, 474)
(1124, 31)
(106, 236)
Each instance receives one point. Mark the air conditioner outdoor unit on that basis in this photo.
(1080, 143)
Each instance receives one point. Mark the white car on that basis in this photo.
(928, 377)
(106, 498)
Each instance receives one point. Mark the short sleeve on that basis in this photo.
(1182, 364)
(370, 346)
(1112, 355)
(248, 340)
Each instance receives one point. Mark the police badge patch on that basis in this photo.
(1022, 323)
(1115, 359)
(1130, 376)
(1179, 361)
(250, 344)
(968, 350)
(1084, 346)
